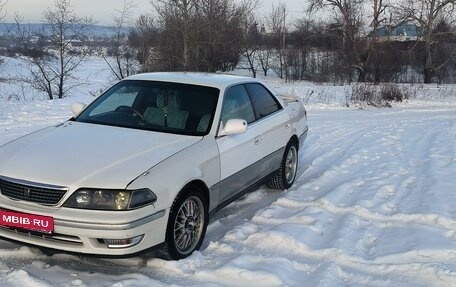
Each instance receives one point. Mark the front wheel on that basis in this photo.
(187, 224)
(286, 175)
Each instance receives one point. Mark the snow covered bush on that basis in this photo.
(363, 95)
(393, 93)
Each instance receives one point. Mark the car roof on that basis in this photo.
(220, 81)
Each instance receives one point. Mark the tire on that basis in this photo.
(187, 223)
(285, 176)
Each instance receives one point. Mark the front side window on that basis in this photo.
(236, 105)
(156, 106)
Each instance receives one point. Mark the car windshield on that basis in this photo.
(156, 106)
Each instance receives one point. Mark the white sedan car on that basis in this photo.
(145, 165)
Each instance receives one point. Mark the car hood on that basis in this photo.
(87, 155)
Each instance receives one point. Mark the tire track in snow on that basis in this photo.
(233, 215)
(435, 220)
(326, 173)
(280, 244)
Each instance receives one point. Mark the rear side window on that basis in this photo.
(263, 102)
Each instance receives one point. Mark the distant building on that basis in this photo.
(402, 32)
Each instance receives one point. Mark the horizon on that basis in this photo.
(103, 17)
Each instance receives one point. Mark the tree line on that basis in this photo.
(221, 35)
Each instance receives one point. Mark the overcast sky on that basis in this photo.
(102, 10)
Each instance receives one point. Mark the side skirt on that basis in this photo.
(251, 188)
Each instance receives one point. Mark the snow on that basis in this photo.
(373, 204)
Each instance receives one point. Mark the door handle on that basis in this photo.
(258, 140)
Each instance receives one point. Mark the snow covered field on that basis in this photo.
(374, 205)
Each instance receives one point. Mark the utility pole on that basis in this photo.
(284, 33)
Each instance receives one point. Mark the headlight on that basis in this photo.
(107, 199)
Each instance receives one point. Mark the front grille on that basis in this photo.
(29, 192)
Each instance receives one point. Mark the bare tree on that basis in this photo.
(275, 22)
(123, 54)
(378, 9)
(2, 15)
(144, 38)
(180, 16)
(200, 35)
(264, 57)
(35, 54)
(348, 14)
(53, 70)
(299, 56)
(3, 10)
(250, 43)
(427, 13)
(368, 64)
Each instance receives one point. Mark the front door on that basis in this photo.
(248, 157)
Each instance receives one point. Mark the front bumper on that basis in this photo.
(84, 231)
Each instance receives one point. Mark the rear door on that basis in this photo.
(272, 126)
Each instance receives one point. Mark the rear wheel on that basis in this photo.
(187, 224)
(286, 175)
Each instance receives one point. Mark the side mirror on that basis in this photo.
(233, 127)
(77, 108)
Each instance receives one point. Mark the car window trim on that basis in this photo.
(254, 123)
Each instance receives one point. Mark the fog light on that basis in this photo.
(123, 243)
